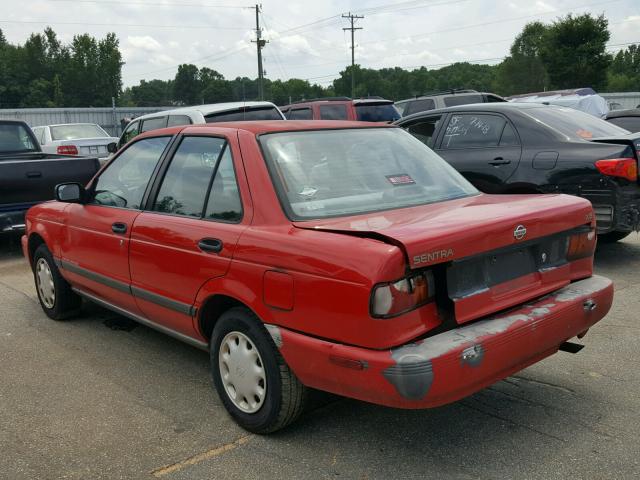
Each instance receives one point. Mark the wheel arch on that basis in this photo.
(212, 309)
(33, 242)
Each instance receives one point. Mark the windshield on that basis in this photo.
(367, 112)
(260, 113)
(72, 132)
(327, 173)
(573, 123)
(15, 138)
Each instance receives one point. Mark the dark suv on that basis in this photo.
(373, 109)
(448, 98)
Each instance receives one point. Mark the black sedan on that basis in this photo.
(533, 148)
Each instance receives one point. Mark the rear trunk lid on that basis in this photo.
(91, 146)
(493, 251)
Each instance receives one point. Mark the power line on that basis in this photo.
(144, 25)
(352, 19)
(127, 3)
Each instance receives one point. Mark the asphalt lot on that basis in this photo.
(99, 397)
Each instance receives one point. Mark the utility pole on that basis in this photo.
(259, 45)
(352, 18)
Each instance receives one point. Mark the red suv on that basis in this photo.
(373, 109)
(340, 256)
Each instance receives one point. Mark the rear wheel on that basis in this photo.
(54, 293)
(612, 237)
(254, 383)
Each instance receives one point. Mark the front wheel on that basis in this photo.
(612, 237)
(253, 381)
(54, 293)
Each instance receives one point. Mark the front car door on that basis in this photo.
(189, 232)
(96, 251)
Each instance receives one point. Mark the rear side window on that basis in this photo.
(153, 124)
(424, 130)
(260, 113)
(462, 100)
(470, 130)
(421, 105)
(383, 112)
(628, 123)
(175, 120)
(333, 112)
(509, 137)
(300, 114)
(185, 185)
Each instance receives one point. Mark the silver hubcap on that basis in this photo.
(242, 372)
(44, 279)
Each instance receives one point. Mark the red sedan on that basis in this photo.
(341, 256)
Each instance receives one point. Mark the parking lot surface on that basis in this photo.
(101, 397)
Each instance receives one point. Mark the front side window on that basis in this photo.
(81, 130)
(153, 124)
(123, 183)
(473, 130)
(425, 129)
(333, 112)
(130, 132)
(328, 173)
(300, 114)
(186, 183)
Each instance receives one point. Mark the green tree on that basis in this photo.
(186, 85)
(624, 72)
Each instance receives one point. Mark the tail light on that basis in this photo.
(67, 150)
(581, 245)
(392, 299)
(619, 167)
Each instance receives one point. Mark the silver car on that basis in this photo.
(74, 139)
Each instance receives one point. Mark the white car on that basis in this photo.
(74, 139)
(198, 114)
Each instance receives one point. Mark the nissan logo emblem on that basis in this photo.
(519, 232)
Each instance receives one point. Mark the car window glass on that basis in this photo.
(185, 185)
(153, 124)
(175, 120)
(245, 114)
(420, 105)
(333, 112)
(224, 200)
(424, 130)
(462, 100)
(300, 114)
(494, 99)
(509, 136)
(381, 112)
(469, 130)
(628, 123)
(130, 132)
(123, 182)
(14, 137)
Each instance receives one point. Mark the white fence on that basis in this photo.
(622, 101)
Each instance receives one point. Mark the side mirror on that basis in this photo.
(112, 147)
(70, 193)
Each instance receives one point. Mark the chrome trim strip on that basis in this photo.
(144, 321)
(18, 227)
(96, 277)
(143, 294)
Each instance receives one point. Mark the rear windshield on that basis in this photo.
(329, 173)
(260, 113)
(454, 100)
(377, 113)
(15, 138)
(71, 132)
(573, 123)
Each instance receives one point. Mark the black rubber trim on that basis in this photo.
(179, 307)
(96, 277)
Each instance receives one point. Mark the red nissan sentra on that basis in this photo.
(341, 256)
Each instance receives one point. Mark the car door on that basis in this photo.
(96, 250)
(189, 232)
(484, 147)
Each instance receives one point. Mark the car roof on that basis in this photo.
(65, 124)
(632, 112)
(339, 100)
(471, 107)
(207, 109)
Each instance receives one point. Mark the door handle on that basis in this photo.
(499, 161)
(34, 174)
(119, 227)
(210, 245)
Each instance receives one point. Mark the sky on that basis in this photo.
(306, 38)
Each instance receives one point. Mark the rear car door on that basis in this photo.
(96, 251)
(484, 147)
(189, 232)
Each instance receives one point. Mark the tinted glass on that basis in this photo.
(421, 105)
(494, 99)
(377, 113)
(185, 185)
(628, 123)
(509, 136)
(425, 129)
(130, 132)
(301, 114)
(462, 100)
(573, 123)
(466, 131)
(327, 173)
(71, 132)
(260, 113)
(333, 112)
(15, 138)
(123, 182)
(401, 106)
(153, 124)
(224, 200)
(175, 120)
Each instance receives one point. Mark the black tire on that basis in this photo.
(285, 396)
(612, 237)
(65, 302)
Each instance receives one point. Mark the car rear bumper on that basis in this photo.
(617, 210)
(451, 365)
